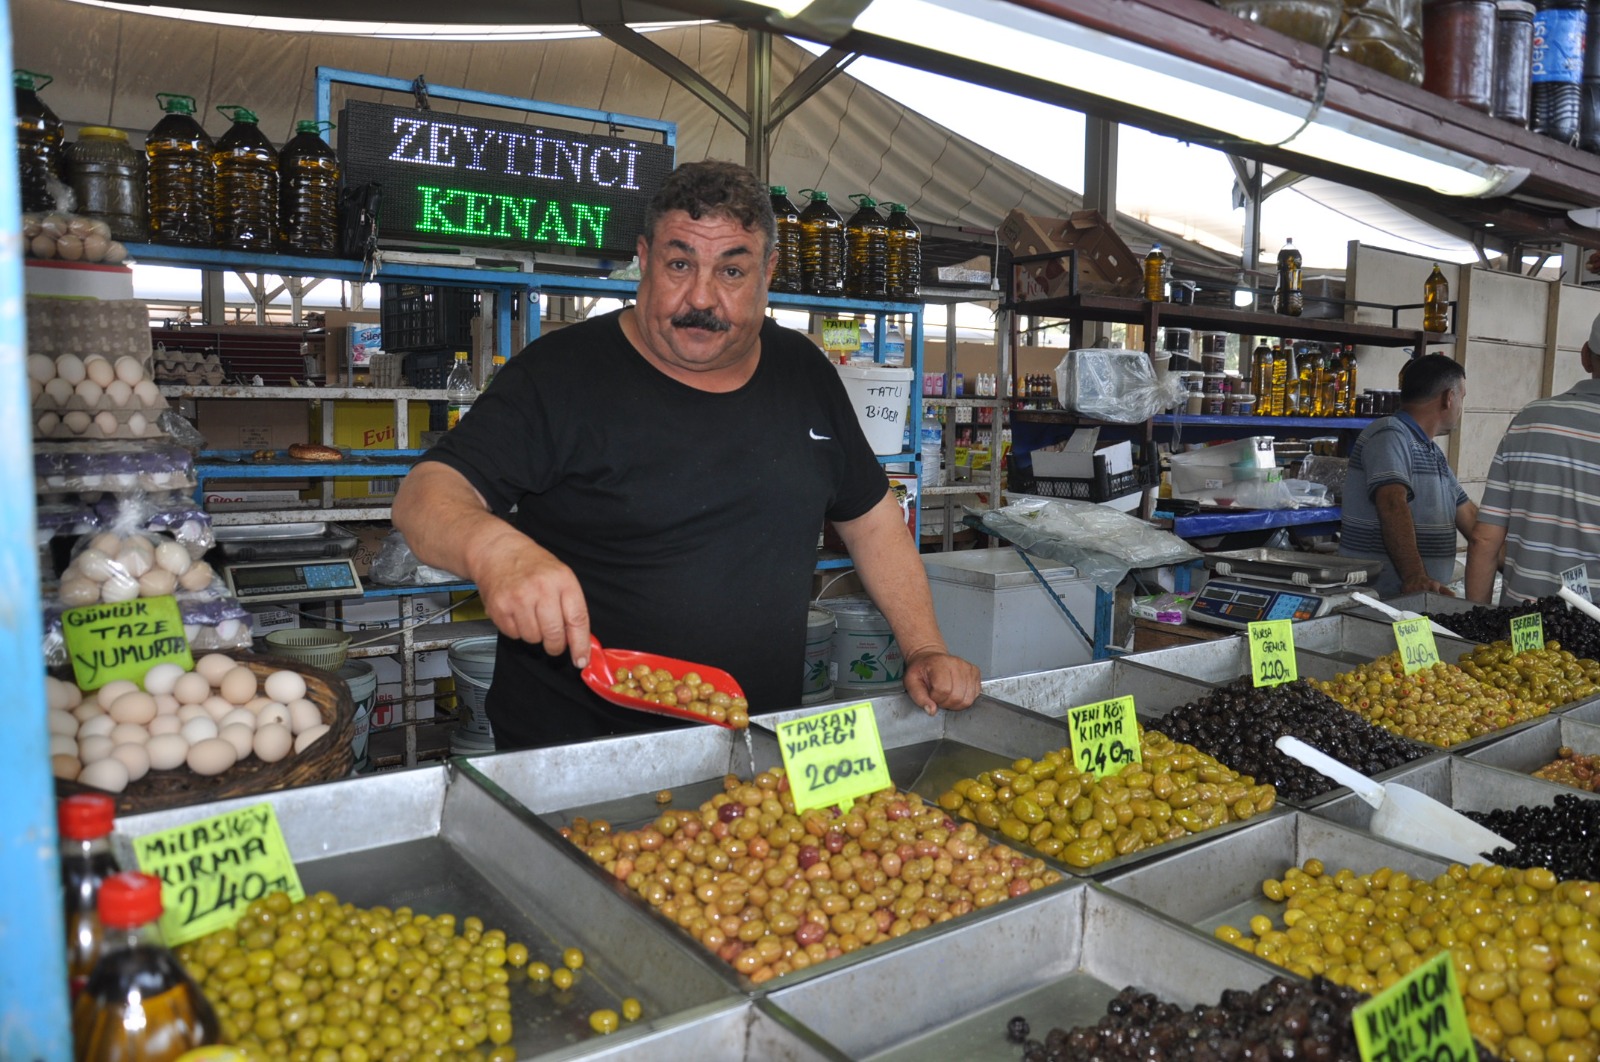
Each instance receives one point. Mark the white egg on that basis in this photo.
(93, 564)
(191, 688)
(196, 578)
(191, 631)
(173, 558)
(57, 390)
(157, 583)
(214, 666)
(238, 715)
(136, 758)
(87, 711)
(107, 695)
(47, 423)
(166, 704)
(228, 631)
(56, 693)
(66, 767)
(239, 685)
(96, 726)
(134, 561)
(106, 421)
(95, 748)
(137, 424)
(167, 751)
(271, 713)
(70, 368)
(41, 368)
(129, 370)
(99, 370)
(199, 730)
(310, 737)
(119, 587)
(107, 774)
(77, 591)
(133, 707)
(63, 745)
(303, 715)
(35, 389)
(211, 756)
(191, 711)
(164, 724)
(89, 391)
(286, 686)
(62, 724)
(77, 421)
(128, 734)
(241, 737)
(161, 678)
(118, 393)
(217, 706)
(141, 543)
(272, 743)
(148, 394)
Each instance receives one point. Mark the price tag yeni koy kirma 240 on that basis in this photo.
(833, 757)
(1105, 736)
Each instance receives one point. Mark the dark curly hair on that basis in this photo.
(715, 188)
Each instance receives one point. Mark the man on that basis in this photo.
(1402, 504)
(670, 466)
(1541, 506)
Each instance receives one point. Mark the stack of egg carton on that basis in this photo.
(188, 367)
(93, 397)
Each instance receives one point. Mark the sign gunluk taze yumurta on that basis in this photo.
(461, 179)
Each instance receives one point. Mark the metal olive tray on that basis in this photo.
(437, 840)
(1057, 962)
(1530, 749)
(1051, 693)
(1462, 783)
(1219, 883)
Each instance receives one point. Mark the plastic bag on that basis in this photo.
(1116, 385)
(1328, 471)
(1101, 543)
(111, 467)
(125, 561)
(396, 565)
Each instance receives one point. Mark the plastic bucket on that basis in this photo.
(882, 397)
(819, 648)
(864, 655)
(472, 663)
(363, 682)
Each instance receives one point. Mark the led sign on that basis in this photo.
(476, 180)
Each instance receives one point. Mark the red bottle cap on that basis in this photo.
(85, 816)
(130, 899)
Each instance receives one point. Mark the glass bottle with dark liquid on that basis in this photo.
(140, 1005)
(84, 823)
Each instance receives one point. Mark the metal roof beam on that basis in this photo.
(637, 43)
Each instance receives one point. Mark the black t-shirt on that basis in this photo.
(690, 518)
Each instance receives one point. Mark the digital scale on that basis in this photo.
(1251, 585)
(300, 580)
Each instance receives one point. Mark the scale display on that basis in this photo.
(1231, 604)
(293, 580)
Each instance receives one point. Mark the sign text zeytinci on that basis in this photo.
(475, 180)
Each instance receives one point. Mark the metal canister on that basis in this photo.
(1458, 41)
(107, 175)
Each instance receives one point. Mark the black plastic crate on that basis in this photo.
(1102, 487)
(419, 317)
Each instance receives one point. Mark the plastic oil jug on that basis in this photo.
(821, 246)
(1155, 274)
(905, 254)
(182, 175)
(39, 136)
(866, 238)
(1435, 302)
(308, 192)
(246, 210)
(786, 274)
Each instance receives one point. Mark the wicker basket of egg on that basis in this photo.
(236, 725)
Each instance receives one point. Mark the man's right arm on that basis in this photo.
(1484, 554)
(528, 593)
(1400, 539)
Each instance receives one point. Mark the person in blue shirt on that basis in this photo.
(1402, 504)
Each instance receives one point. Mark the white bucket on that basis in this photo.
(363, 682)
(819, 647)
(865, 657)
(472, 663)
(882, 397)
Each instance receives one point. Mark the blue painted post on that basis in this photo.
(33, 972)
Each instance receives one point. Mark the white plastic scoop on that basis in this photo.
(1579, 602)
(1403, 814)
(1400, 614)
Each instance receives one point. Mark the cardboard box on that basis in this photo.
(1106, 265)
(252, 423)
(369, 541)
(264, 619)
(337, 346)
(370, 426)
(387, 710)
(217, 495)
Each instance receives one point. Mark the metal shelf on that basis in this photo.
(380, 590)
(1264, 423)
(333, 394)
(1203, 525)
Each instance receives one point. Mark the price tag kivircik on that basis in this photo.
(1527, 633)
(1272, 660)
(1576, 579)
(1418, 650)
(833, 757)
(124, 640)
(1105, 736)
(1419, 1018)
(211, 870)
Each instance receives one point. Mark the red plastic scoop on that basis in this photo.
(606, 664)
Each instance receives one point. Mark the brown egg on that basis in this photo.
(133, 707)
(241, 737)
(135, 758)
(65, 767)
(238, 685)
(214, 666)
(310, 737)
(167, 751)
(272, 743)
(191, 688)
(212, 756)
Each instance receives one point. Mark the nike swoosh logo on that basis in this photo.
(820, 438)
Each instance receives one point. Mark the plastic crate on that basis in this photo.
(428, 369)
(1102, 487)
(421, 317)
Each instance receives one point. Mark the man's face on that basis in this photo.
(1454, 408)
(702, 295)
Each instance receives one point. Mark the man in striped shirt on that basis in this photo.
(1541, 506)
(1402, 504)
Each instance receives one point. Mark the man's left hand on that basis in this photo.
(937, 680)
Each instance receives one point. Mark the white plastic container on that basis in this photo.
(865, 656)
(882, 397)
(816, 685)
(472, 664)
(993, 611)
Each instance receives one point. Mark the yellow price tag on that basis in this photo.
(1527, 633)
(1417, 647)
(1272, 660)
(1419, 1018)
(841, 335)
(1105, 736)
(833, 757)
(212, 869)
(124, 640)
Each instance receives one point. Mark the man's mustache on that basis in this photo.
(703, 319)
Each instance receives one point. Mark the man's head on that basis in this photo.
(1591, 349)
(1433, 389)
(705, 259)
